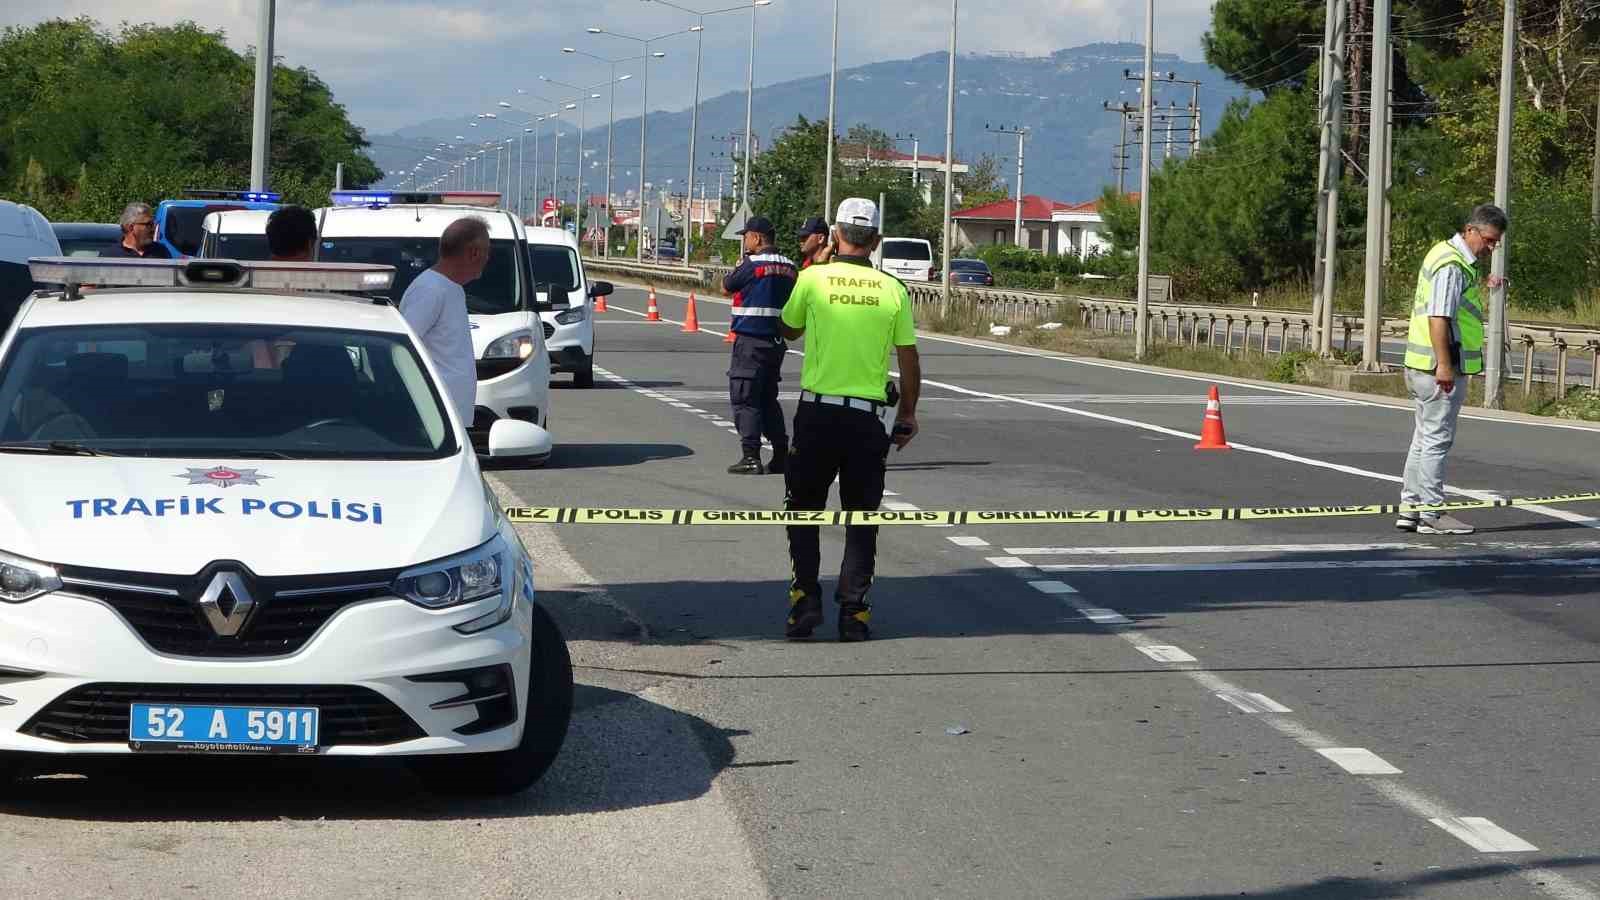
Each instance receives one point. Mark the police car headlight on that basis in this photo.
(23, 579)
(456, 580)
(512, 346)
(573, 316)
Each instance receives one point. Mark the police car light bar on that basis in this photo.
(246, 196)
(74, 272)
(380, 199)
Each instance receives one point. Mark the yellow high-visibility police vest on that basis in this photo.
(1469, 313)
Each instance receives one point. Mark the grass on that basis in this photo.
(1296, 367)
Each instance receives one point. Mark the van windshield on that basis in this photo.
(238, 246)
(912, 250)
(498, 291)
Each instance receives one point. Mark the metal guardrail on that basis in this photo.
(1228, 328)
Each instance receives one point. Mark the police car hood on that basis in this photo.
(279, 517)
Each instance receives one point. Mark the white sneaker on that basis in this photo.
(1443, 525)
(1406, 522)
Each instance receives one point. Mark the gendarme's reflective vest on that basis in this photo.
(1469, 313)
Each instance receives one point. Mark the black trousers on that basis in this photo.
(753, 389)
(850, 445)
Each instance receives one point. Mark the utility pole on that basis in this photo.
(1372, 343)
(1494, 352)
(833, 80)
(338, 176)
(1120, 158)
(1142, 317)
(261, 121)
(1594, 197)
(1323, 152)
(1021, 132)
(1388, 166)
(1330, 245)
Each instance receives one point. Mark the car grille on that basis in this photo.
(98, 713)
(162, 610)
(549, 331)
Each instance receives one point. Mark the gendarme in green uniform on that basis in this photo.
(1469, 313)
(853, 315)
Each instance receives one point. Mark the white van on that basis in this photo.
(565, 297)
(908, 259)
(24, 233)
(239, 234)
(508, 337)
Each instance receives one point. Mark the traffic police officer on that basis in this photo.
(1445, 341)
(851, 315)
(760, 287)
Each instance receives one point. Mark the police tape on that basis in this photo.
(564, 515)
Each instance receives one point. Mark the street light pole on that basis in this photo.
(833, 80)
(749, 103)
(1493, 371)
(1142, 318)
(261, 120)
(949, 160)
(1378, 134)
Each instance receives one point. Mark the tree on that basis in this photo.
(92, 120)
(1259, 43)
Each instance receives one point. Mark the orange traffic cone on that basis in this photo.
(691, 322)
(1212, 436)
(651, 313)
(600, 304)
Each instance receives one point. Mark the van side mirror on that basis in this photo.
(601, 289)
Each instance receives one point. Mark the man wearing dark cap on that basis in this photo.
(814, 246)
(760, 287)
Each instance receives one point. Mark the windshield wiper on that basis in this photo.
(56, 448)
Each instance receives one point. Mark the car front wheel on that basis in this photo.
(546, 713)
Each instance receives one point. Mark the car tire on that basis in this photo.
(546, 714)
(584, 377)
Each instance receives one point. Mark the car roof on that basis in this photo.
(86, 229)
(540, 234)
(229, 307)
(237, 221)
(25, 232)
(412, 221)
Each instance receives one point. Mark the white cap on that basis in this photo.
(857, 211)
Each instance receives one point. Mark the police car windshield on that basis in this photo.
(186, 390)
(499, 290)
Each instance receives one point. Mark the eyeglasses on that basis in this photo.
(1491, 240)
(151, 223)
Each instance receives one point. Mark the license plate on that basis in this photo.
(181, 728)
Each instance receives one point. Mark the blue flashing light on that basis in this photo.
(245, 196)
(362, 198)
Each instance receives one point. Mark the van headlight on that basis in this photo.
(513, 346)
(23, 579)
(573, 316)
(455, 580)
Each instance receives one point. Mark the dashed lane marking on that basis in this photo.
(1008, 562)
(1483, 835)
(1052, 587)
(1251, 702)
(1358, 761)
(1298, 565)
(1167, 653)
(968, 541)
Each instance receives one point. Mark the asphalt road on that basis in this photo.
(1285, 709)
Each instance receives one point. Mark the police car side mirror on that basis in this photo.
(514, 438)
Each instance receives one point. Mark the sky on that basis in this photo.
(394, 63)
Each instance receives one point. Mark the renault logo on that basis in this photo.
(227, 616)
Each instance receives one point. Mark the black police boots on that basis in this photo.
(853, 619)
(805, 613)
(780, 461)
(749, 465)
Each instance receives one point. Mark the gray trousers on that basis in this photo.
(1437, 414)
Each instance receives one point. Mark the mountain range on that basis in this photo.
(1068, 155)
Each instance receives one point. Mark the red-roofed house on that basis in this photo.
(995, 223)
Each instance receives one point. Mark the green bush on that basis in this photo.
(1284, 367)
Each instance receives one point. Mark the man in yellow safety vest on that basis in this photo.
(1444, 344)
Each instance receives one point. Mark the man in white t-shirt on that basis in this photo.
(436, 306)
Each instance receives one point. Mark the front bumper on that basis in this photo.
(361, 663)
(571, 346)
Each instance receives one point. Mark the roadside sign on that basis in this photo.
(731, 233)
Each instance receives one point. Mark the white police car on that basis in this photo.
(402, 230)
(240, 518)
(565, 301)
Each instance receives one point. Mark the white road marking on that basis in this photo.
(1322, 564)
(1483, 835)
(1102, 616)
(1008, 562)
(1052, 587)
(1167, 653)
(1253, 703)
(1358, 761)
(968, 541)
(1238, 549)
